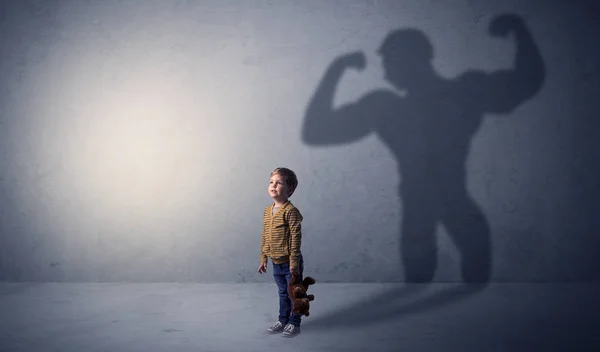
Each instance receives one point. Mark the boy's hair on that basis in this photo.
(288, 176)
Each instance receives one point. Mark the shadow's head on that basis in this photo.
(406, 55)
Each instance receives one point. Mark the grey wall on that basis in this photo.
(137, 138)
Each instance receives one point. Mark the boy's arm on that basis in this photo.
(294, 223)
(263, 240)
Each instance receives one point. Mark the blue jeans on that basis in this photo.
(282, 275)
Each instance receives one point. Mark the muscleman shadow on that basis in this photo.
(427, 122)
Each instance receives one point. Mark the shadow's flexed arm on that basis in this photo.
(325, 125)
(504, 90)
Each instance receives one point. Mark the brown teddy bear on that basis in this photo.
(301, 306)
(297, 291)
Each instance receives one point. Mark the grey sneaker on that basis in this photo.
(276, 328)
(290, 330)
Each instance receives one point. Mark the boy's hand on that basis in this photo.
(262, 268)
(292, 269)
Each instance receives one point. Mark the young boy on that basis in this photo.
(280, 241)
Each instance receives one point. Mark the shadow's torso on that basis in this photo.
(429, 134)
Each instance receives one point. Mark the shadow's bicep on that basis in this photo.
(500, 92)
(346, 123)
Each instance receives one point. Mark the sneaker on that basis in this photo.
(290, 330)
(277, 328)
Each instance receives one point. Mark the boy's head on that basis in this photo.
(283, 183)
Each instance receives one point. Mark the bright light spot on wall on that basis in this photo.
(129, 156)
(136, 149)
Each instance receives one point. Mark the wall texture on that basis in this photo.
(137, 138)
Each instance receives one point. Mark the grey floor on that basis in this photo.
(345, 317)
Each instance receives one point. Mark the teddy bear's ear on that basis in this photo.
(311, 297)
(308, 281)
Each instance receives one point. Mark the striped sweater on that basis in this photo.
(281, 235)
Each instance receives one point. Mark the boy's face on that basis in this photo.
(278, 189)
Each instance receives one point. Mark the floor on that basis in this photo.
(344, 317)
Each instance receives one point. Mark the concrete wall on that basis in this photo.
(137, 138)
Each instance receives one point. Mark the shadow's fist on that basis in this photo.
(356, 60)
(503, 25)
